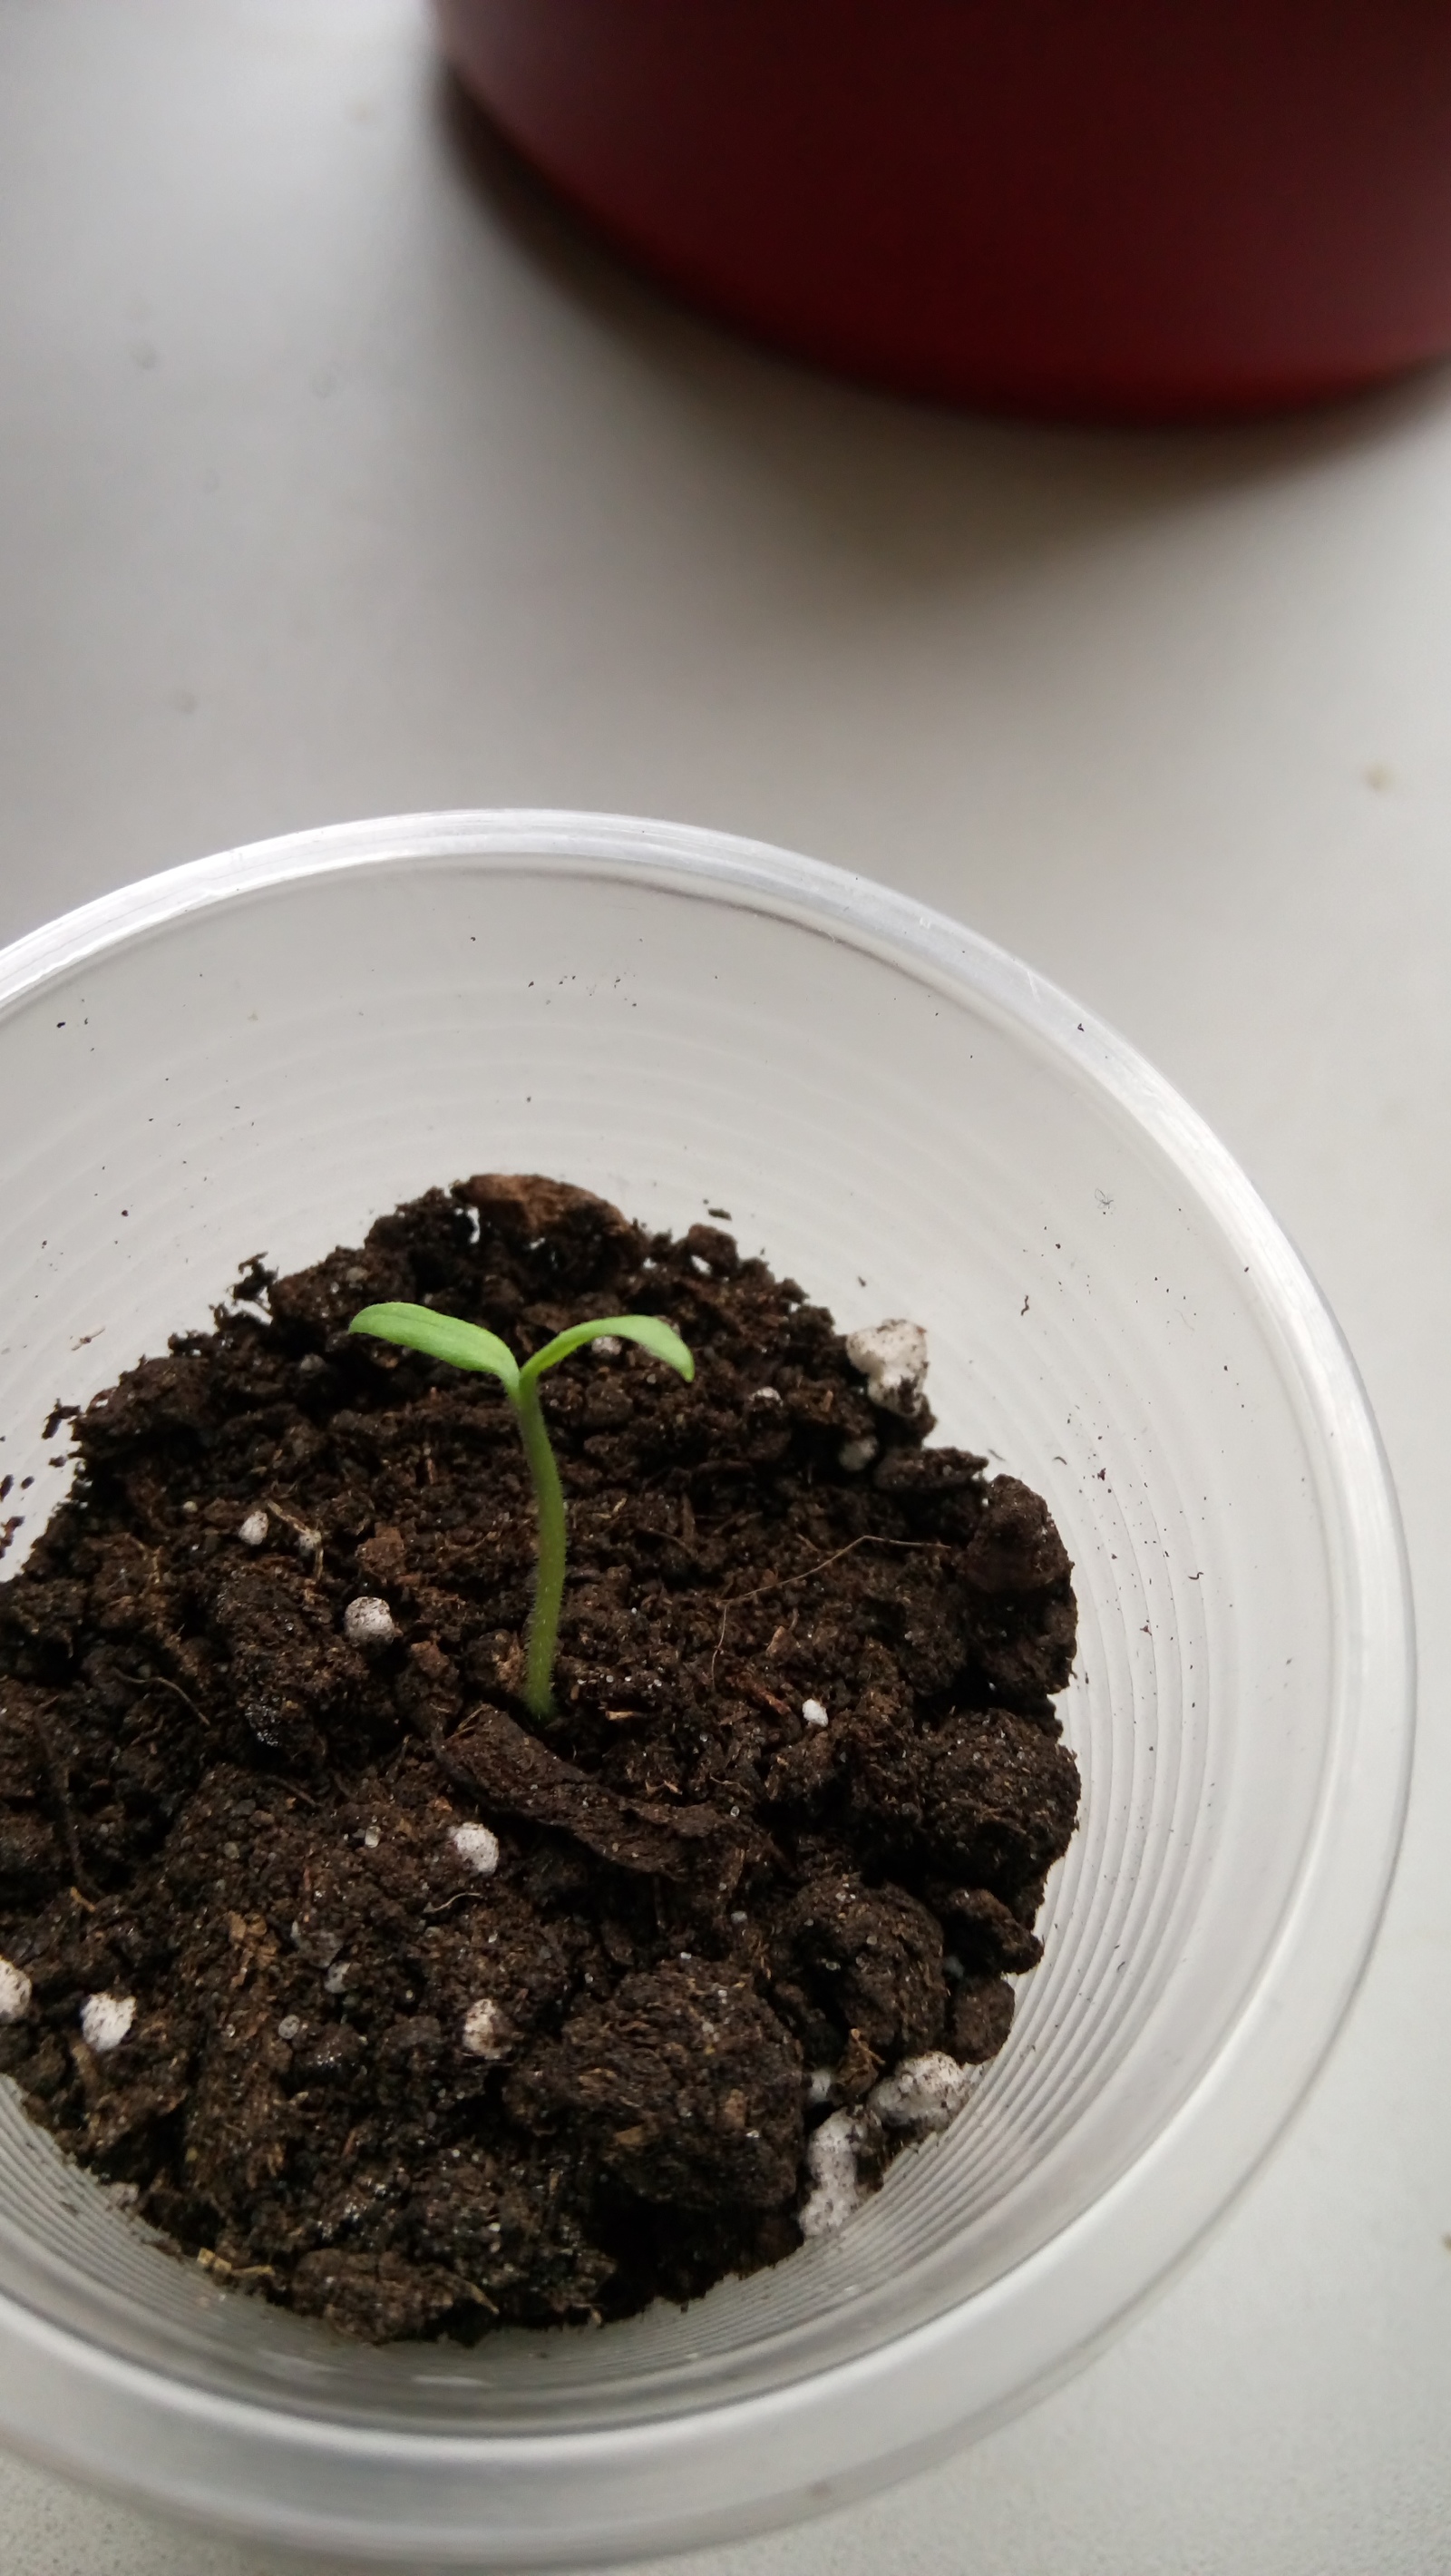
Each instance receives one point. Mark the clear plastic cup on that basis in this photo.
(265, 1050)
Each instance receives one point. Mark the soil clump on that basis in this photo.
(438, 2019)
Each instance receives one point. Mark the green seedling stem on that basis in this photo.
(469, 1346)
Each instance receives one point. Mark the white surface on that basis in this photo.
(336, 479)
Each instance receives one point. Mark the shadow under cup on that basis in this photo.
(266, 1051)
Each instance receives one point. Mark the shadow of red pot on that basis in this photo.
(1124, 209)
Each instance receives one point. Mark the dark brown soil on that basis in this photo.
(214, 1804)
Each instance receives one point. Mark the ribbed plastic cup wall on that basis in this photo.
(268, 1049)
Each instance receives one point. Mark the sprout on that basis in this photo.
(469, 1346)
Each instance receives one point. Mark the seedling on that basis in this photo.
(469, 1346)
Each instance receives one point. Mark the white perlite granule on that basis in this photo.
(855, 1455)
(831, 2154)
(485, 2030)
(478, 1847)
(813, 1713)
(14, 1992)
(253, 1532)
(105, 2020)
(892, 1358)
(923, 2093)
(368, 1622)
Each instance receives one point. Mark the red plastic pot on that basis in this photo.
(1150, 209)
